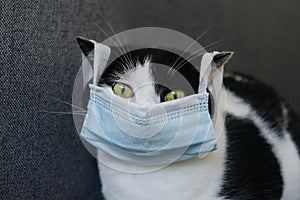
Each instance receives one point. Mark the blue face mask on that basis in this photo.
(150, 135)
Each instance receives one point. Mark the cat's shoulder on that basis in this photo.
(252, 90)
(260, 96)
(269, 116)
(264, 99)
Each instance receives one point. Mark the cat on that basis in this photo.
(258, 150)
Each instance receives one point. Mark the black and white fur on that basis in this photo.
(258, 151)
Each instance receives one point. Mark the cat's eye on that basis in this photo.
(174, 94)
(123, 90)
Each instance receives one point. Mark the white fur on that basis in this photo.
(191, 179)
(238, 78)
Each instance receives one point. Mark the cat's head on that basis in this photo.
(137, 76)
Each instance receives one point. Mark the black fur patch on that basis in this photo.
(252, 171)
(294, 128)
(159, 56)
(261, 97)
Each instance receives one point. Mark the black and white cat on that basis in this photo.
(258, 152)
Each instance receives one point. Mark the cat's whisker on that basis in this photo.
(118, 39)
(61, 112)
(129, 54)
(117, 56)
(214, 43)
(70, 104)
(91, 58)
(117, 46)
(174, 69)
(199, 37)
(193, 56)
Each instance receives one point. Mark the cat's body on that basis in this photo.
(258, 150)
(255, 163)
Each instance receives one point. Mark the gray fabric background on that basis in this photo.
(41, 156)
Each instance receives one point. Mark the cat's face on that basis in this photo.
(138, 77)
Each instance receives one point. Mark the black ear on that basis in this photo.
(85, 45)
(222, 58)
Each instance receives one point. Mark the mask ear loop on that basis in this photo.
(101, 57)
(205, 71)
(211, 78)
(204, 77)
(87, 71)
(215, 86)
(95, 70)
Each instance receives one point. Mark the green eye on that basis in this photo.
(122, 90)
(175, 94)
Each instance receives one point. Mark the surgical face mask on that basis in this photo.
(150, 135)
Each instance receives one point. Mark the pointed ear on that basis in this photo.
(222, 58)
(85, 45)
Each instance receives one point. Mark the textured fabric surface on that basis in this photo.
(41, 154)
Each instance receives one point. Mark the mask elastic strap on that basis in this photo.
(205, 71)
(87, 71)
(100, 58)
(211, 78)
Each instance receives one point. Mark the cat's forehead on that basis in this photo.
(139, 73)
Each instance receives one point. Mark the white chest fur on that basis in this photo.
(192, 179)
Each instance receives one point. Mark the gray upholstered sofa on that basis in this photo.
(41, 154)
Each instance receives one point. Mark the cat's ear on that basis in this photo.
(86, 45)
(222, 58)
